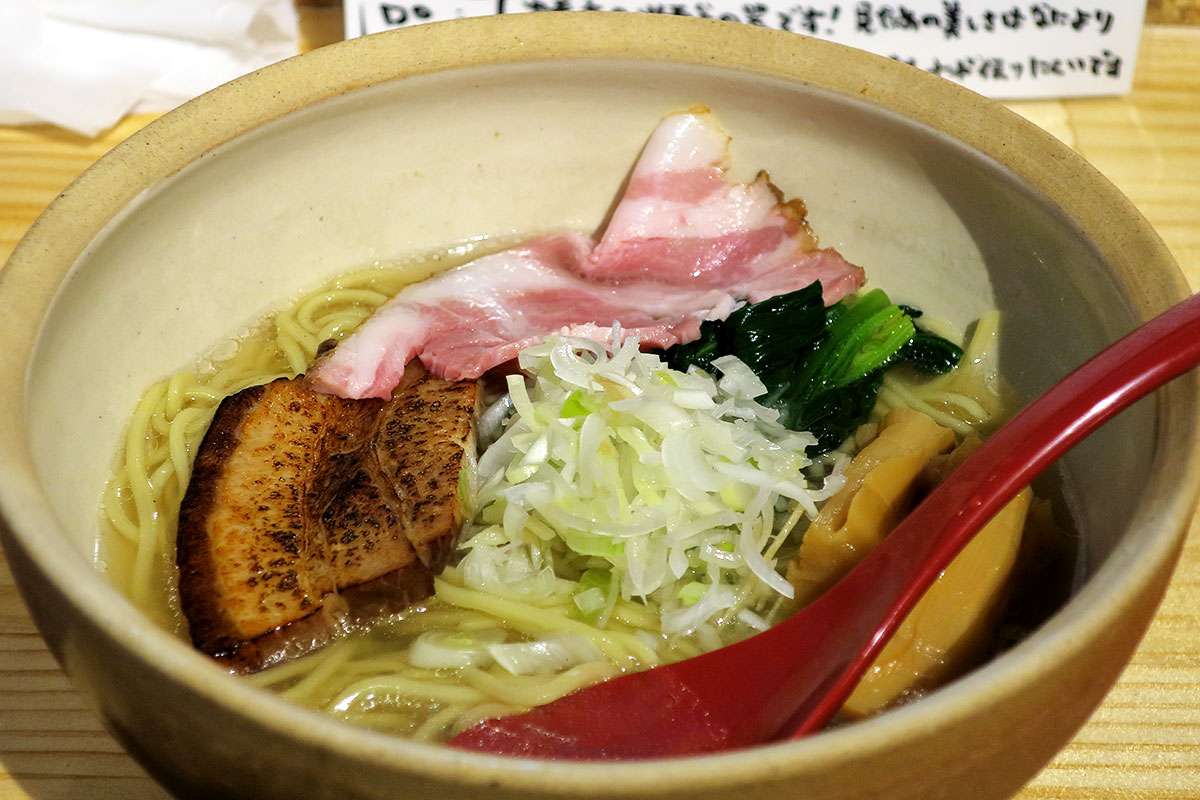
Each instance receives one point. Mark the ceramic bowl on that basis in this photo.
(396, 144)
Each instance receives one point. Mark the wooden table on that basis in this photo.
(1144, 742)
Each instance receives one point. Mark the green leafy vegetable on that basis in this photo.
(798, 319)
(859, 341)
(767, 336)
(930, 353)
(822, 366)
(833, 415)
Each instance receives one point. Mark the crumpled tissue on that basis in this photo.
(84, 64)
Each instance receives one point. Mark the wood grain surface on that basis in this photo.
(1142, 744)
(1167, 12)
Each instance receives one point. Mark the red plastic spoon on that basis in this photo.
(796, 676)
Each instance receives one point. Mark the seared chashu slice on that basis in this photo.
(376, 569)
(402, 502)
(362, 523)
(422, 442)
(376, 572)
(249, 551)
(297, 496)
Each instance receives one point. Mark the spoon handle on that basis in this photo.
(896, 576)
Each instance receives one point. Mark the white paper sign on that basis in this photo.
(1064, 48)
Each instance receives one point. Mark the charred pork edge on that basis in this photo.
(208, 624)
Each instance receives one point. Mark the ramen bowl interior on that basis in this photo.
(401, 144)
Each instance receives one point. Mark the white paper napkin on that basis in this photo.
(83, 64)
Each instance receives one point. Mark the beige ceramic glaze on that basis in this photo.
(396, 144)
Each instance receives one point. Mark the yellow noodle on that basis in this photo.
(292, 669)
(537, 690)
(158, 479)
(142, 490)
(400, 722)
(967, 404)
(342, 317)
(341, 652)
(477, 714)
(432, 728)
(897, 395)
(438, 618)
(183, 437)
(204, 394)
(636, 616)
(339, 327)
(118, 517)
(158, 421)
(428, 691)
(155, 453)
(780, 537)
(296, 357)
(291, 329)
(556, 604)
(307, 310)
(685, 648)
(369, 278)
(534, 620)
(922, 399)
(394, 665)
(483, 624)
(176, 395)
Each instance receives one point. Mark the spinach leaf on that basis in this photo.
(926, 351)
(771, 335)
(822, 366)
(859, 341)
(930, 354)
(699, 353)
(833, 415)
(767, 336)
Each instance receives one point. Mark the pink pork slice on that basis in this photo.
(684, 245)
(682, 221)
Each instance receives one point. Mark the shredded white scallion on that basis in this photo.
(544, 656)
(665, 482)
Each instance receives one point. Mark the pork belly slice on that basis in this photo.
(683, 221)
(684, 245)
(306, 512)
(463, 322)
